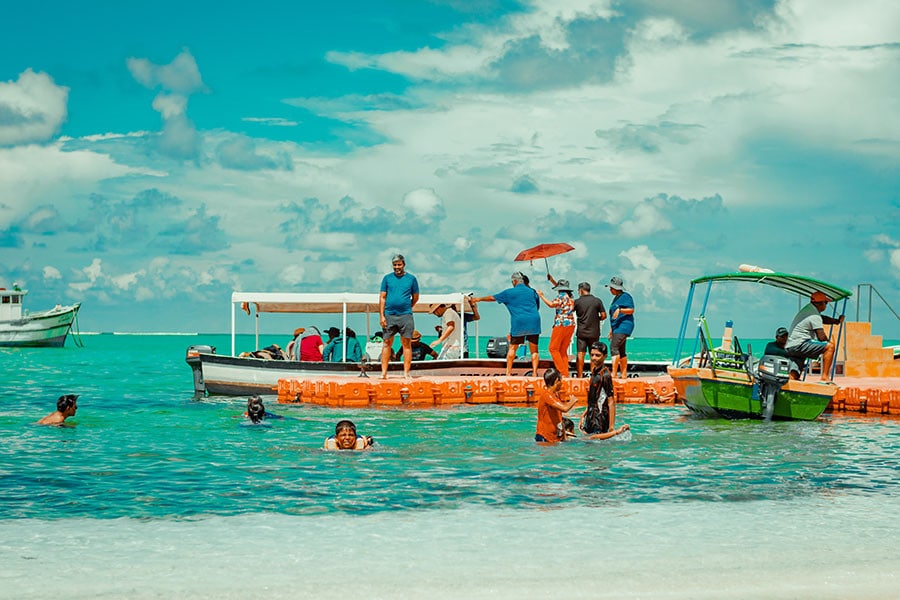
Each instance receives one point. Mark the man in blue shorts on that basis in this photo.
(522, 302)
(399, 293)
(807, 338)
(621, 314)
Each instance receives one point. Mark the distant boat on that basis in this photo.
(46, 329)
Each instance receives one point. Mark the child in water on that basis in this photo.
(256, 411)
(345, 438)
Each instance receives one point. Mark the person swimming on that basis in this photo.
(345, 438)
(256, 411)
(66, 406)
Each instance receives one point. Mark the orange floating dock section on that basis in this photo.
(863, 395)
(420, 392)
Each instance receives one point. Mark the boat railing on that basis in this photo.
(872, 289)
(733, 359)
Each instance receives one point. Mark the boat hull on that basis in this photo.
(222, 375)
(47, 329)
(731, 395)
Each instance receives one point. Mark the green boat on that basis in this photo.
(730, 383)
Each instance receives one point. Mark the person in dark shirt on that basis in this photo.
(590, 314)
(776, 347)
(418, 350)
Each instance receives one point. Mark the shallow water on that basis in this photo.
(153, 494)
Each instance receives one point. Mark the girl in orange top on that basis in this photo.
(551, 408)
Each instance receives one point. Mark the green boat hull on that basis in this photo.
(735, 399)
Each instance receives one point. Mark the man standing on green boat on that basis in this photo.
(807, 338)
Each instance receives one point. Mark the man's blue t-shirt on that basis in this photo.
(522, 303)
(400, 290)
(625, 323)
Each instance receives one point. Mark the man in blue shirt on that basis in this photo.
(399, 293)
(621, 313)
(522, 302)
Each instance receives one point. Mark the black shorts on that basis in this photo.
(519, 339)
(617, 345)
(583, 344)
(402, 324)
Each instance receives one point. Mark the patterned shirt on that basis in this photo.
(565, 310)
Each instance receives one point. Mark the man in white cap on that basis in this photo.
(807, 338)
(621, 314)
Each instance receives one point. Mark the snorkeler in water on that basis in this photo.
(66, 406)
(256, 411)
(345, 438)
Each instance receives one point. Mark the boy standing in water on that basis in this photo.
(65, 408)
(551, 408)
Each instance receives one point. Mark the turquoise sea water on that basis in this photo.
(151, 493)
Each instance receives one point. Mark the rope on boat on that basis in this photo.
(76, 332)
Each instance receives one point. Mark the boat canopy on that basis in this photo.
(803, 286)
(331, 302)
(785, 281)
(342, 303)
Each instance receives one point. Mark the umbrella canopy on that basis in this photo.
(544, 251)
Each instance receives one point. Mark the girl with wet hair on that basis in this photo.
(256, 410)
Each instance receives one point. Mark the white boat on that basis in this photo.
(232, 375)
(19, 328)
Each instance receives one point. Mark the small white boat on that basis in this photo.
(47, 328)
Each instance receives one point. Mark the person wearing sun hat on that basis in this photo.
(621, 315)
(807, 337)
(563, 324)
(418, 349)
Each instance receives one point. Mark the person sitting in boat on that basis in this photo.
(345, 438)
(307, 345)
(66, 406)
(417, 348)
(599, 419)
(776, 347)
(272, 352)
(551, 408)
(334, 349)
(807, 337)
(448, 338)
(256, 411)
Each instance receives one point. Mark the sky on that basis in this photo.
(155, 157)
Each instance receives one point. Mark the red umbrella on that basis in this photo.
(543, 251)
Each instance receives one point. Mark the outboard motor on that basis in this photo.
(193, 359)
(772, 373)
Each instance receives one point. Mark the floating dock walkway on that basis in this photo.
(863, 395)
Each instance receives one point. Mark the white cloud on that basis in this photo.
(178, 80)
(181, 76)
(94, 270)
(645, 220)
(51, 273)
(32, 108)
(292, 275)
(424, 203)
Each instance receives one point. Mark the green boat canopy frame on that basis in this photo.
(785, 281)
(804, 286)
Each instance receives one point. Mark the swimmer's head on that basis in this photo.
(567, 428)
(256, 410)
(67, 403)
(551, 376)
(345, 435)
